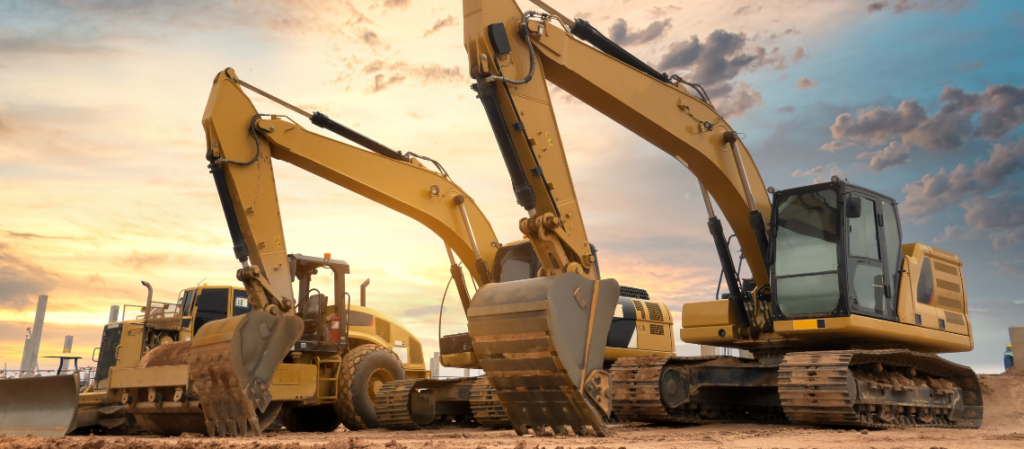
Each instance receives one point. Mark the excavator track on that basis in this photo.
(419, 403)
(392, 404)
(878, 390)
(657, 389)
(487, 409)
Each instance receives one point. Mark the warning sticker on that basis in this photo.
(241, 302)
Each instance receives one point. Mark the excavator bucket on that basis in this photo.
(40, 406)
(541, 343)
(231, 363)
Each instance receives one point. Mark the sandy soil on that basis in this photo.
(1003, 427)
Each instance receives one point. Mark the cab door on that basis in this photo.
(870, 284)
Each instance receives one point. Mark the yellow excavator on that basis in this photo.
(239, 135)
(844, 320)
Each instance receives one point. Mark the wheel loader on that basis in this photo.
(843, 319)
(402, 182)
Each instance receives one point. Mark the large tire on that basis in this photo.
(363, 371)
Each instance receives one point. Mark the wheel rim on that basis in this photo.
(378, 378)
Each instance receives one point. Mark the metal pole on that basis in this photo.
(114, 310)
(31, 352)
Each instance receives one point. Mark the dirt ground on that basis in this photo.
(1003, 427)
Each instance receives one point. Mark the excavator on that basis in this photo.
(843, 320)
(242, 143)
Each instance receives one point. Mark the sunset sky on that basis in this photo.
(103, 180)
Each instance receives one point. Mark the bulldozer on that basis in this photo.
(54, 405)
(844, 321)
(402, 182)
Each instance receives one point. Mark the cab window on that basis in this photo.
(213, 305)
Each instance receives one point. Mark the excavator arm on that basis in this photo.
(504, 44)
(238, 134)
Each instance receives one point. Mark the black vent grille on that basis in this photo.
(632, 292)
(655, 311)
(640, 309)
(657, 329)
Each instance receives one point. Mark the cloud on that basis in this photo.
(21, 281)
(1012, 268)
(879, 125)
(799, 55)
(1001, 215)
(810, 172)
(835, 145)
(621, 35)
(787, 109)
(1001, 109)
(370, 38)
(139, 260)
(890, 156)
(946, 6)
(441, 23)
(24, 235)
(832, 169)
(396, 3)
(806, 83)
(381, 81)
(718, 59)
(742, 99)
(935, 192)
(425, 74)
(877, 6)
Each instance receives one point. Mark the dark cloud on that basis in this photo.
(21, 281)
(381, 81)
(890, 156)
(946, 6)
(441, 23)
(744, 10)
(139, 260)
(806, 83)
(935, 192)
(24, 235)
(396, 73)
(374, 66)
(739, 101)
(1000, 215)
(878, 125)
(370, 38)
(798, 55)
(877, 6)
(718, 59)
(396, 3)
(623, 36)
(1001, 109)
(788, 109)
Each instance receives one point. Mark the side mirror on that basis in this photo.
(853, 207)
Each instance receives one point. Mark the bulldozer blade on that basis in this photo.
(231, 363)
(539, 341)
(40, 406)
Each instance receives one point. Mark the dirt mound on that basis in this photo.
(174, 353)
(1004, 401)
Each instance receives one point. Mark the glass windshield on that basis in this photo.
(806, 261)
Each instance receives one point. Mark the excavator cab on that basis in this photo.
(835, 252)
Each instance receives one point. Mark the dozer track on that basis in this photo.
(541, 343)
(878, 389)
(487, 409)
(665, 389)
